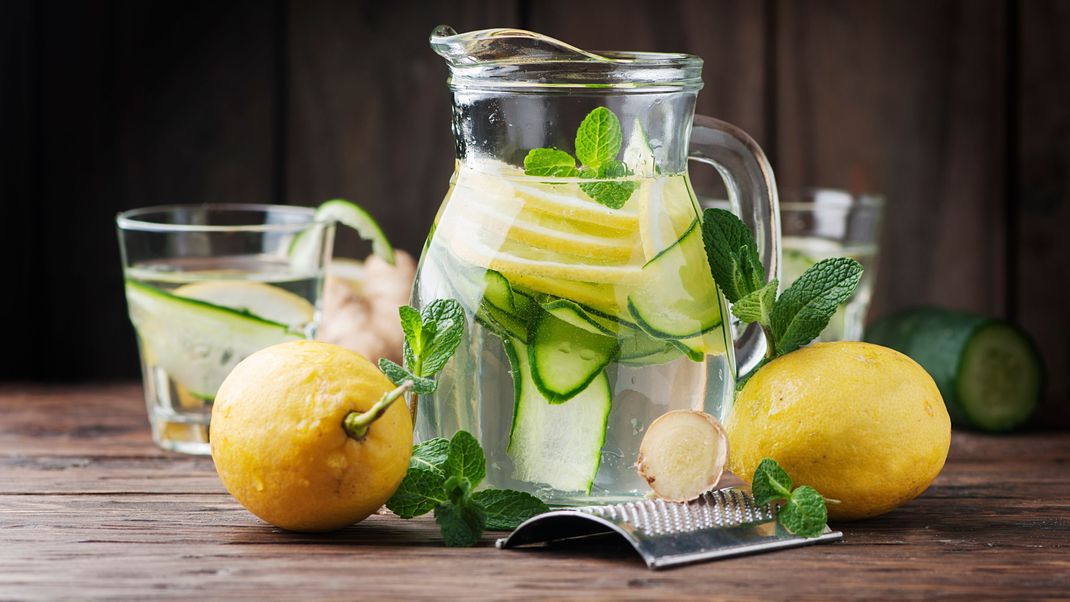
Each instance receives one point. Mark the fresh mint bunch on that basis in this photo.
(431, 337)
(442, 477)
(803, 510)
(598, 142)
(801, 312)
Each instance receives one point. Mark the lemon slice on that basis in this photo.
(539, 231)
(260, 299)
(666, 211)
(473, 250)
(567, 200)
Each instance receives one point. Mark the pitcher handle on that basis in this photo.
(752, 195)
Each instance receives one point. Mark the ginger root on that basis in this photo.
(360, 305)
(683, 454)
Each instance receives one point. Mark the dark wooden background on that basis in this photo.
(957, 110)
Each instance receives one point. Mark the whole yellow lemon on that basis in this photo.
(280, 446)
(861, 423)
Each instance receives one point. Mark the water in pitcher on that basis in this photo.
(586, 324)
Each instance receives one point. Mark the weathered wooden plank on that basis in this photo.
(906, 100)
(1042, 199)
(368, 106)
(115, 547)
(87, 522)
(99, 421)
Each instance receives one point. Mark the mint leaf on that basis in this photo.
(458, 490)
(442, 476)
(506, 509)
(611, 194)
(550, 162)
(444, 320)
(431, 455)
(465, 459)
(732, 254)
(399, 375)
(419, 493)
(770, 482)
(804, 310)
(757, 306)
(414, 333)
(805, 513)
(461, 525)
(598, 139)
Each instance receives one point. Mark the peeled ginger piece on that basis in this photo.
(683, 454)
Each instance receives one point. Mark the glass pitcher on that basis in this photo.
(572, 237)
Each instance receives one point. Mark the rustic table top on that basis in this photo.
(90, 508)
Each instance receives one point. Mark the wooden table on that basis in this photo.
(89, 508)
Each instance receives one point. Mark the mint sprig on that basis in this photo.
(598, 138)
(442, 477)
(550, 162)
(803, 510)
(800, 313)
(598, 142)
(431, 337)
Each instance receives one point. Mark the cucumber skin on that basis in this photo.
(553, 396)
(937, 339)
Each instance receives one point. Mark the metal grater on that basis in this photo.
(718, 524)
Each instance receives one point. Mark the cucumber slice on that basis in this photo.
(556, 444)
(565, 359)
(196, 342)
(498, 292)
(988, 371)
(677, 298)
(578, 316)
(349, 214)
(644, 350)
(638, 155)
(263, 300)
(502, 323)
(636, 346)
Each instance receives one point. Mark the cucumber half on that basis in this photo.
(677, 298)
(556, 444)
(196, 342)
(988, 371)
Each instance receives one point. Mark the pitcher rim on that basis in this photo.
(550, 65)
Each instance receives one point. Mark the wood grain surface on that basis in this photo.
(90, 509)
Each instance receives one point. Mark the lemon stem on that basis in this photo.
(357, 424)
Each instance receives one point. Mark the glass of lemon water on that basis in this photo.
(819, 223)
(207, 286)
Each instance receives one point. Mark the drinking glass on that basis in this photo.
(207, 286)
(819, 223)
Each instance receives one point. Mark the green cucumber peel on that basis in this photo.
(443, 476)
